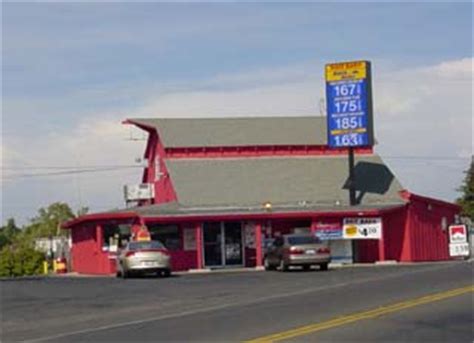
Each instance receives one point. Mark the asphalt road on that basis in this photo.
(244, 306)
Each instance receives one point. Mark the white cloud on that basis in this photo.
(418, 112)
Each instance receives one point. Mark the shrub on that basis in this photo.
(7, 261)
(20, 260)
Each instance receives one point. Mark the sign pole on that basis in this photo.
(352, 190)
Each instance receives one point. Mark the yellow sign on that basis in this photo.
(351, 231)
(143, 238)
(143, 235)
(342, 132)
(355, 70)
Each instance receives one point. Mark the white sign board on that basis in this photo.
(142, 191)
(457, 234)
(362, 228)
(458, 249)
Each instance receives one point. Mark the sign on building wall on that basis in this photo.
(189, 238)
(327, 232)
(249, 230)
(362, 228)
(458, 245)
(349, 104)
(341, 249)
(143, 191)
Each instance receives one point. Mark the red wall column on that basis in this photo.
(258, 245)
(381, 244)
(199, 256)
(98, 255)
(313, 225)
(99, 236)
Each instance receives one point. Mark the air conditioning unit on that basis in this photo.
(143, 191)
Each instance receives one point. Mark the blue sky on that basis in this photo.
(69, 68)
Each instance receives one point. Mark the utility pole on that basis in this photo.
(351, 181)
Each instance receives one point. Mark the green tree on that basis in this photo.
(20, 259)
(8, 232)
(18, 255)
(466, 201)
(49, 220)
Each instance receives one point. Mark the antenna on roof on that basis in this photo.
(322, 107)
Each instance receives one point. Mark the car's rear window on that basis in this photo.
(300, 240)
(145, 245)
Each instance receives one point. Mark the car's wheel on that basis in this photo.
(306, 267)
(283, 266)
(118, 273)
(125, 274)
(267, 265)
(323, 266)
(166, 273)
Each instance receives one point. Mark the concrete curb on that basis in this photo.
(333, 265)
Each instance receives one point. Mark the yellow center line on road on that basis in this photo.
(312, 328)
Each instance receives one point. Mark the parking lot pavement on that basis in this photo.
(60, 306)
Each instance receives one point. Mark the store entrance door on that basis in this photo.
(212, 233)
(223, 244)
(233, 244)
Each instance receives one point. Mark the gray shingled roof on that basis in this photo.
(214, 132)
(316, 181)
(177, 210)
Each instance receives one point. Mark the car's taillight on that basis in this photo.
(129, 253)
(296, 251)
(324, 251)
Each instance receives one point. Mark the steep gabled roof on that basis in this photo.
(229, 132)
(314, 181)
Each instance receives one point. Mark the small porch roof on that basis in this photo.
(175, 212)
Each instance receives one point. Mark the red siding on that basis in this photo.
(259, 151)
(155, 153)
(366, 250)
(394, 234)
(183, 260)
(428, 241)
(250, 257)
(87, 254)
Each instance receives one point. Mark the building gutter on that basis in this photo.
(99, 216)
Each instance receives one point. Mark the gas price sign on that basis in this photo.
(349, 104)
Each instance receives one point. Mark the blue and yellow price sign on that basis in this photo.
(349, 104)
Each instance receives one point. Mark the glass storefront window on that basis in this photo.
(169, 235)
(115, 236)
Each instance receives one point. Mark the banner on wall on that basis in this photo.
(189, 238)
(362, 228)
(249, 231)
(328, 232)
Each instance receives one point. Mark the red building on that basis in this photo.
(215, 189)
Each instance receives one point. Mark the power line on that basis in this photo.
(68, 167)
(68, 172)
